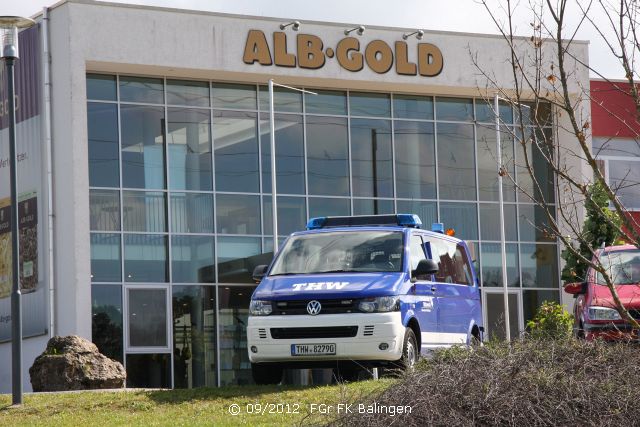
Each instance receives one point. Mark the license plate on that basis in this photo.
(313, 349)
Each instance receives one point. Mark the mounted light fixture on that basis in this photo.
(418, 33)
(295, 25)
(360, 29)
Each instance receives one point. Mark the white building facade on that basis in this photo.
(154, 194)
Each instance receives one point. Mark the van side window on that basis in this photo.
(453, 262)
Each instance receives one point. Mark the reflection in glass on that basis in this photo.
(415, 160)
(456, 162)
(106, 320)
(369, 104)
(144, 211)
(102, 130)
(533, 299)
(292, 215)
(496, 327)
(539, 265)
(235, 367)
(328, 156)
(238, 214)
(142, 146)
(491, 256)
(326, 102)
(191, 213)
(147, 314)
(289, 154)
(105, 258)
(319, 206)
(284, 100)
(462, 217)
(455, 109)
(149, 370)
(427, 211)
(490, 222)
(194, 336)
(372, 206)
(141, 89)
(485, 111)
(145, 258)
(189, 142)
(371, 158)
(534, 223)
(624, 179)
(537, 145)
(102, 87)
(104, 210)
(488, 163)
(235, 142)
(412, 107)
(192, 259)
(234, 96)
(237, 257)
(187, 92)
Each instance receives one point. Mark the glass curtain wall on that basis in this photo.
(180, 203)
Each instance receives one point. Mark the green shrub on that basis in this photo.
(551, 321)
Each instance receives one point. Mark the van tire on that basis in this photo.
(410, 356)
(266, 373)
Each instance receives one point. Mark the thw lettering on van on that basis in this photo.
(318, 286)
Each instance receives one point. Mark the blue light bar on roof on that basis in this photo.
(403, 220)
(437, 227)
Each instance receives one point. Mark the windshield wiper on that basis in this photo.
(285, 274)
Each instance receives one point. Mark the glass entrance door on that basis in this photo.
(494, 318)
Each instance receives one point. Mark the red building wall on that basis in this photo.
(613, 112)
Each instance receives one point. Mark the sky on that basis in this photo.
(437, 15)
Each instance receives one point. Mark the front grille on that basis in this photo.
(262, 333)
(314, 332)
(368, 330)
(329, 306)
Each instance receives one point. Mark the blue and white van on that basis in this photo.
(373, 291)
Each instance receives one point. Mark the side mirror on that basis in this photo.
(259, 272)
(425, 266)
(575, 288)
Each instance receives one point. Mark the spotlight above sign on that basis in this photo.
(295, 25)
(360, 30)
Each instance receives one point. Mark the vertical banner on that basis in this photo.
(28, 102)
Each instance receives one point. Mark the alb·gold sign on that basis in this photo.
(312, 54)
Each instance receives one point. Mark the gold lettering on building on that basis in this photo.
(349, 57)
(430, 60)
(257, 49)
(310, 54)
(379, 56)
(280, 55)
(403, 66)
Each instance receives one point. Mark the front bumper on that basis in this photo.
(373, 329)
(610, 332)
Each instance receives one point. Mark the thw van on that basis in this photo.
(373, 291)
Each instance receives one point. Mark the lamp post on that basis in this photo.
(9, 26)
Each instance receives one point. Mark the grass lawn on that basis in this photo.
(187, 407)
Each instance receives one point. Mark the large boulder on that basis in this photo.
(74, 363)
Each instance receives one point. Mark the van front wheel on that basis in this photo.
(410, 355)
(266, 374)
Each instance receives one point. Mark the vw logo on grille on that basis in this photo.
(314, 307)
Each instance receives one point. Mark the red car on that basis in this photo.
(594, 311)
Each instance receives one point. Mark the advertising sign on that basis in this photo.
(30, 200)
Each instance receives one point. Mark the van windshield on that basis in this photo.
(622, 267)
(339, 252)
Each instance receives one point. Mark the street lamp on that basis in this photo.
(9, 26)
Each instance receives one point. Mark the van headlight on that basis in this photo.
(603, 313)
(379, 304)
(260, 308)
